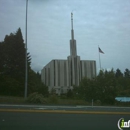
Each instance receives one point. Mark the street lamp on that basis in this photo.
(26, 63)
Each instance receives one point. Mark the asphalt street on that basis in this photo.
(33, 117)
(56, 121)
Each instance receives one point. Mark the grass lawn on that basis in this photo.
(50, 100)
(12, 100)
(54, 100)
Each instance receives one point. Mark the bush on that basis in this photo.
(63, 96)
(98, 102)
(70, 93)
(53, 99)
(36, 98)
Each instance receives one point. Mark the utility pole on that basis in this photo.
(26, 63)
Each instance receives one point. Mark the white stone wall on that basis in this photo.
(73, 49)
(55, 75)
(58, 74)
(88, 69)
(74, 70)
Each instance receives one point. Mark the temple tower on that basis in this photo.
(73, 60)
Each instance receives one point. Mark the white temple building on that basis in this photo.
(61, 75)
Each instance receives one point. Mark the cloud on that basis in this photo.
(104, 23)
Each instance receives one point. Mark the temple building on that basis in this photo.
(61, 75)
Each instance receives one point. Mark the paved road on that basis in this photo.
(26, 117)
(55, 121)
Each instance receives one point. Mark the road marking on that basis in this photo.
(63, 111)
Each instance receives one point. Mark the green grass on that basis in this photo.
(12, 100)
(72, 102)
(54, 100)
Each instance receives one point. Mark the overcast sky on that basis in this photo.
(96, 22)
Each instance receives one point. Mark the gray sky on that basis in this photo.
(96, 22)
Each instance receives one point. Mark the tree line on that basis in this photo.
(12, 68)
(104, 87)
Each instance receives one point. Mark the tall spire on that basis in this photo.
(72, 31)
(72, 21)
(73, 50)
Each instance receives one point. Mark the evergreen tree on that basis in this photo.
(1, 58)
(12, 68)
(13, 63)
(118, 73)
(127, 73)
(107, 86)
(102, 88)
(35, 84)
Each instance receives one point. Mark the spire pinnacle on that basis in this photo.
(73, 51)
(72, 31)
(72, 21)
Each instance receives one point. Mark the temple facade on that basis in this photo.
(61, 75)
